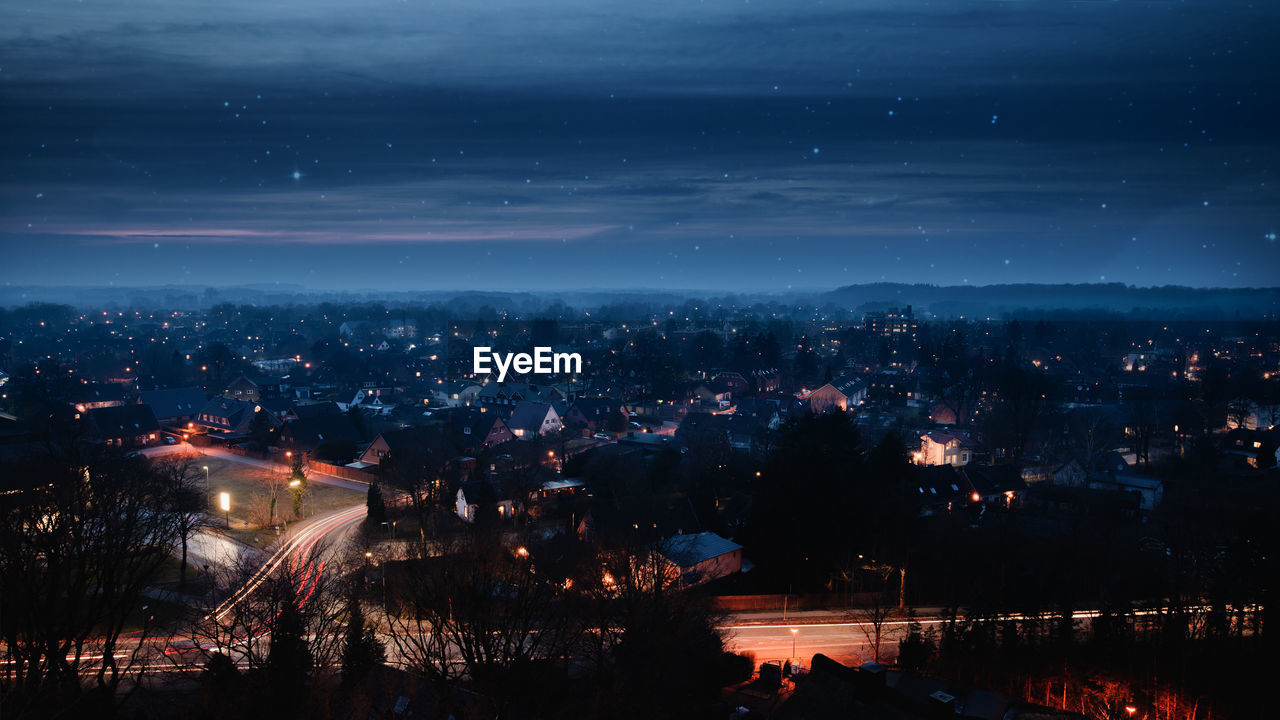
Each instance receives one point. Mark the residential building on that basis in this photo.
(842, 393)
(944, 448)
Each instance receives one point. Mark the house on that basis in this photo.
(242, 388)
(89, 397)
(702, 430)
(944, 448)
(610, 524)
(940, 488)
(404, 329)
(305, 411)
(766, 413)
(561, 487)
(379, 404)
(1149, 490)
(471, 496)
(454, 393)
(943, 413)
(124, 425)
(766, 380)
(843, 393)
(1258, 448)
(1246, 414)
(409, 440)
(532, 419)
(278, 406)
(227, 416)
(714, 393)
(174, 406)
(736, 383)
(594, 413)
(306, 435)
(741, 432)
(1071, 473)
(700, 557)
(1002, 484)
(509, 394)
(478, 428)
(369, 397)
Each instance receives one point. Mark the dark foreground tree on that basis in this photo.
(361, 649)
(79, 542)
(186, 498)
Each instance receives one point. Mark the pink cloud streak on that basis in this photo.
(312, 237)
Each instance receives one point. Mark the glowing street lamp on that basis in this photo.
(224, 502)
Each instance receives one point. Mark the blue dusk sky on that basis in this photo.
(749, 145)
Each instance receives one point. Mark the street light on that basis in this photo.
(206, 476)
(793, 641)
(224, 501)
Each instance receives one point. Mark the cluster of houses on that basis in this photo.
(489, 431)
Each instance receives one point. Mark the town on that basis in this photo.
(724, 508)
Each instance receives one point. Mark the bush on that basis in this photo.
(735, 668)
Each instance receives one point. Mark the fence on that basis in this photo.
(315, 466)
(341, 471)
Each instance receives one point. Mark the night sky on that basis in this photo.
(662, 144)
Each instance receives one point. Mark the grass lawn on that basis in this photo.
(249, 486)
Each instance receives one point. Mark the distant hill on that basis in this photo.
(1023, 300)
(1039, 299)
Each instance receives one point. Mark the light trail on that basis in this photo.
(297, 547)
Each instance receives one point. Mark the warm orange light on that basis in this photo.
(522, 551)
(975, 497)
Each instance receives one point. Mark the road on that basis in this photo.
(300, 550)
(312, 475)
(846, 642)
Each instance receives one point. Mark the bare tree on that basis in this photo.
(871, 621)
(185, 498)
(1142, 412)
(1239, 411)
(78, 548)
(479, 611)
(244, 626)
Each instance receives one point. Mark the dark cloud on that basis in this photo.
(666, 144)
